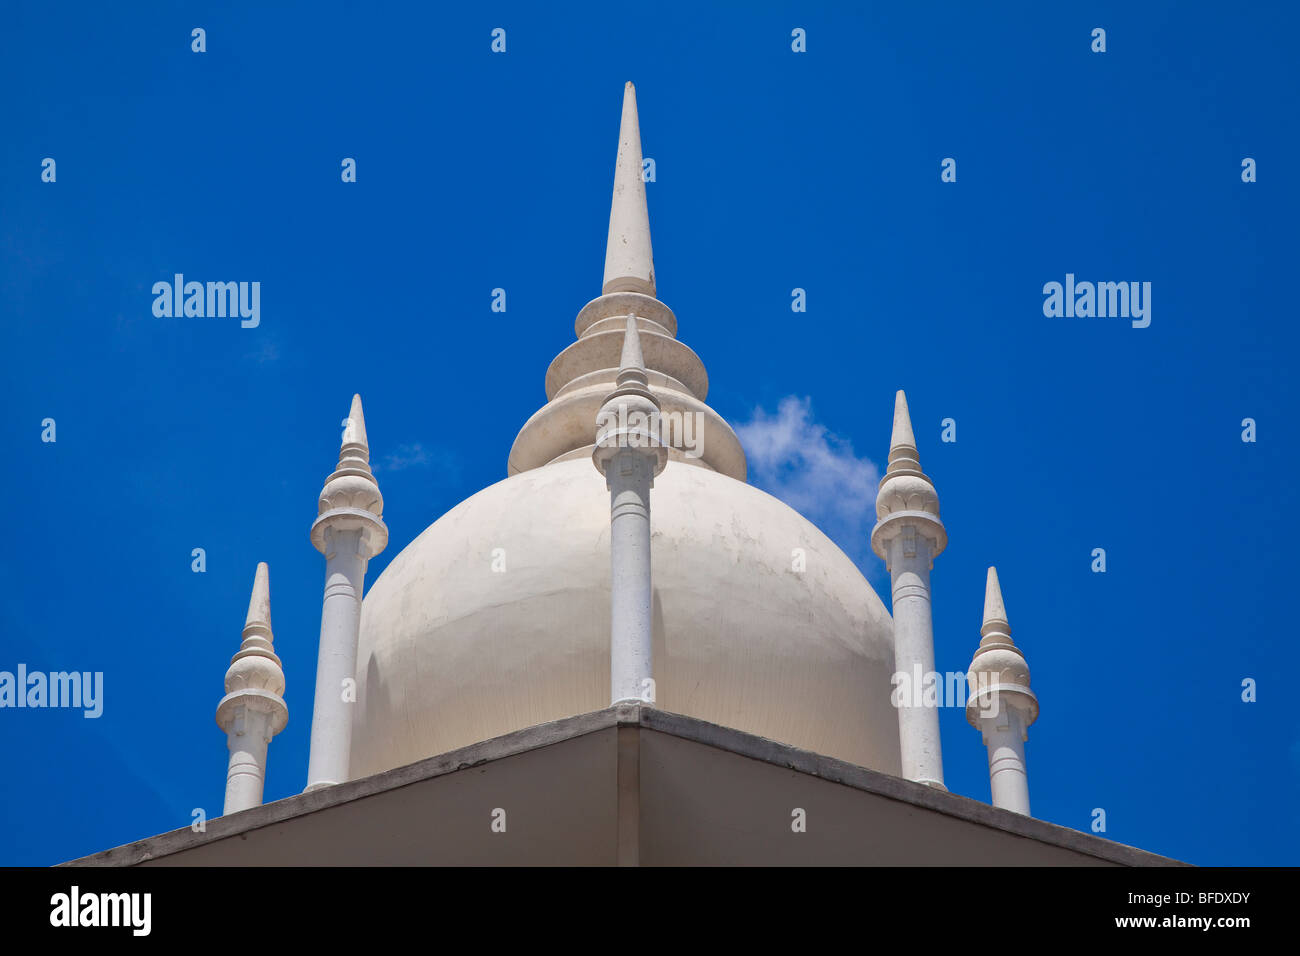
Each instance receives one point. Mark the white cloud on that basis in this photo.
(411, 455)
(815, 472)
(267, 352)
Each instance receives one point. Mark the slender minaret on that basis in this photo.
(349, 532)
(252, 712)
(630, 454)
(1000, 704)
(908, 536)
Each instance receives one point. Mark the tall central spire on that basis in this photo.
(581, 377)
(629, 262)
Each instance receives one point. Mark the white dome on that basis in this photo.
(452, 652)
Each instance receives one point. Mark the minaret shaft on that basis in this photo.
(1008, 779)
(910, 557)
(336, 665)
(630, 476)
(349, 532)
(629, 453)
(908, 536)
(247, 741)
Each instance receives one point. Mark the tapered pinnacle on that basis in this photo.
(995, 612)
(629, 261)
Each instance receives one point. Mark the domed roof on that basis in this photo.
(497, 618)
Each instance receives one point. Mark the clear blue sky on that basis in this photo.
(775, 170)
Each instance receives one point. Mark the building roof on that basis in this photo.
(629, 785)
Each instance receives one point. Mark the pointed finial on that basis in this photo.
(903, 455)
(632, 386)
(905, 491)
(999, 668)
(257, 625)
(629, 261)
(351, 496)
(631, 365)
(256, 664)
(354, 427)
(995, 612)
(629, 417)
(354, 452)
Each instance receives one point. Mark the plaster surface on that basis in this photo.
(453, 652)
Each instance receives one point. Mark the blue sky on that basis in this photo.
(774, 170)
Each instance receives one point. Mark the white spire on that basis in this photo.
(629, 417)
(354, 452)
(560, 430)
(903, 456)
(1000, 704)
(349, 532)
(352, 486)
(908, 536)
(632, 380)
(253, 710)
(354, 431)
(995, 610)
(629, 262)
(631, 363)
(257, 623)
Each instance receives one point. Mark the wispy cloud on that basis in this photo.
(417, 457)
(814, 471)
(265, 353)
(410, 455)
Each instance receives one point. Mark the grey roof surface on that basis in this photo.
(628, 785)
